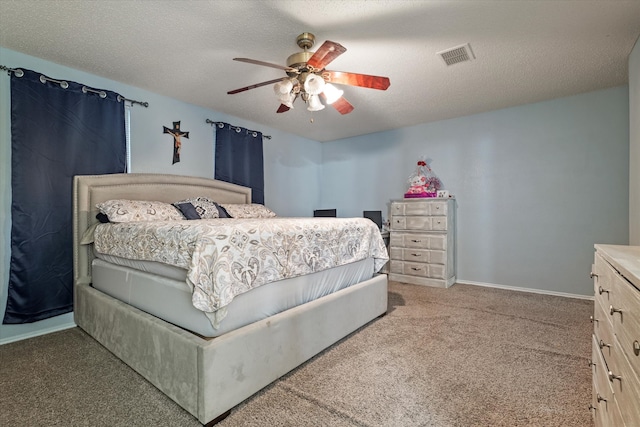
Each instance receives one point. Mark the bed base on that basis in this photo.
(208, 377)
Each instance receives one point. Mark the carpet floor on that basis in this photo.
(464, 356)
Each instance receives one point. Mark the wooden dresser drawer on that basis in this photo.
(419, 241)
(418, 269)
(625, 316)
(626, 387)
(602, 280)
(607, 412)
(603, 331)
(418, 255)
(419, 223)
(423, 208)
(409, 268)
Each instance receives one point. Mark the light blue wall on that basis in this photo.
(536, 185)
(292, 164)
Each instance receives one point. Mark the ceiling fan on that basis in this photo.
(309, 80)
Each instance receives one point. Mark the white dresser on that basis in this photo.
(615, 360)
(422, 241)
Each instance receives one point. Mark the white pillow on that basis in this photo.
(121, 210)
(253, 210)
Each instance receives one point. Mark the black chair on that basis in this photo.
(325, 213)
(375, 216)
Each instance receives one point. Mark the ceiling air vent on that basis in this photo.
(457, 54)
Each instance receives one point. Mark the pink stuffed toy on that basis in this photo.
(423, 182)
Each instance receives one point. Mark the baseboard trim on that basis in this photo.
(531, 290)
(37, 333)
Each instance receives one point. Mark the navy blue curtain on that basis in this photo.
(239, 158)
(58, 130)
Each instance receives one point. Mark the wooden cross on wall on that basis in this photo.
(176, 133)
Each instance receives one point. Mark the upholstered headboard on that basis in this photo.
(88, 190)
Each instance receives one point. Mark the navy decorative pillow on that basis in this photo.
(222, 212)
(188, 210)
(102, 218)
(205, 207)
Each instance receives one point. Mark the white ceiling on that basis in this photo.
(526, 51)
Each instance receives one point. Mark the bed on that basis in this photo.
(207, 370)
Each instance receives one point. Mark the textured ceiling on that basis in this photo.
(526, 51)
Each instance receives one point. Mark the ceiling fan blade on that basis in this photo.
(283, 109)
(242, 89)
(325, 54)
(342, 105)
(353, 79)
(266, 64)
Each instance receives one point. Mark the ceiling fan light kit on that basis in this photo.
(308, 78)
(314, 104)
(331, 93)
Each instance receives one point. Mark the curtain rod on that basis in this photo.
(63, 84)
(235, 127)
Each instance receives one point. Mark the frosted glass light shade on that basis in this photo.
(314, 84)
(314, 104)
(283, 87)
(287, 99)
(332, 93)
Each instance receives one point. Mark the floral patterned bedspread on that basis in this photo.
(226, 257)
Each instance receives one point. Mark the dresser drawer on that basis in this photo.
(626, 387)
(418, 241)
(422, 208)
(607, 412)
(603, 332)
(409, 268)
(437, 271)
(418, 269)
(418, 255)
(415, 269)
(419, 223)
(438, 257)
(625, 316)
(415, 255)
(603, 280)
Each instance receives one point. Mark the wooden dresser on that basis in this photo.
(422, 241)
(615, 356)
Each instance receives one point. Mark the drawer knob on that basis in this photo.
(636, 348)
(591, 363)
(614, 377)
(612, 310)
(591, 407)
(416, 268)
(416, 241)
(416, 254)
(601, 291)
(602, 344)
(600, 398)
(593, 319)
(592, 275)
